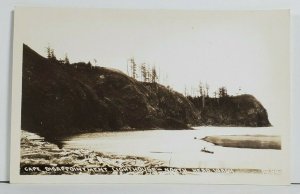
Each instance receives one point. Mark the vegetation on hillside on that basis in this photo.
(60, 98)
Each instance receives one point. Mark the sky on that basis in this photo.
(235, 49)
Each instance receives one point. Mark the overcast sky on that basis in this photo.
(233, 49)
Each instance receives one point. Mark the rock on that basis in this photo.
(243, 110)
(60, 100)
(98, 98)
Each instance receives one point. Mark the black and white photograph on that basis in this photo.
(152, 96)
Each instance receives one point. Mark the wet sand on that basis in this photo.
(246, 141)
(36, 152)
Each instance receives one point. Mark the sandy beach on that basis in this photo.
(246, 141)
(36, 152)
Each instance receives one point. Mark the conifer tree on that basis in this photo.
(154, 76)
(202, 94)
(133, 67)
(143, 72)
(66, 61)
(53, 57)
(49, 54)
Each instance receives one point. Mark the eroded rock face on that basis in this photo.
(63, 99)
(242, 110)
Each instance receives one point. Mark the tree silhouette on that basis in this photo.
(185, 91)
(148, 74)
(53, 57)
(223, 92)
(207, 89)
(133, 67)
(202, 94)
(66, 61)
(154, 76)
(50, 53)
(143, 72)
(201, 91)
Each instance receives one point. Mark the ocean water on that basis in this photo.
(182, 148)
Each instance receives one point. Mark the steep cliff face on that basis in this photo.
(62, 99)
(243, 110)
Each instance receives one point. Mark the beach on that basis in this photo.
(36, 152)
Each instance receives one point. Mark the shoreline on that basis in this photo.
(245, 141)
(37, 152)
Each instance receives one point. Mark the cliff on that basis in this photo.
(242, 110)
(61, 99)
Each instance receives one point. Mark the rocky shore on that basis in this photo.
(41, 157)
